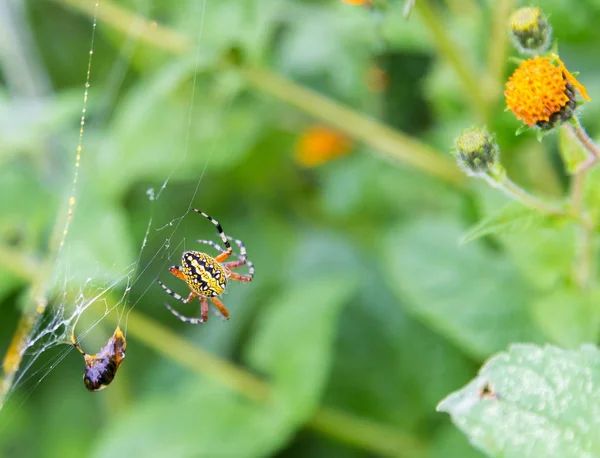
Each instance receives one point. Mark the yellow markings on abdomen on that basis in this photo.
(203, 274)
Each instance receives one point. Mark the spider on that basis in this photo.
(207, 276)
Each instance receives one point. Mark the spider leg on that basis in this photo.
(176, 271)
(216, 246)
(217, 303)
(228, 250)
(204, 309)
(235, 264)
(174, 294)
(239, 277)
(243, 260)
(240, 263)
(186, 319)
(241, 246)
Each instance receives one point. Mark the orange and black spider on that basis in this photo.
(207, 276)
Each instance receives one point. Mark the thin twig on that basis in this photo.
(513, 190)
(353, 430)
(584, 262)
(392, 143)
(498, 45)
(356, 431)
(584, 139)
(451, 51)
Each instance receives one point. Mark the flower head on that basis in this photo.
(530, 30)
(542, 94)
(358, 2)
(476, 151)
(320, 144)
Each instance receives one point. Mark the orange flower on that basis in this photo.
(358, 2)
(320, 144)
(540, 93)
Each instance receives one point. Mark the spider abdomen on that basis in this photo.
(204, 274)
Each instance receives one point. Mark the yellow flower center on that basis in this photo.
(538, 89)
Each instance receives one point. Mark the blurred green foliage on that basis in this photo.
(364, 300)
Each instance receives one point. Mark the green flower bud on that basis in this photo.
(476, 151)
(530, 30)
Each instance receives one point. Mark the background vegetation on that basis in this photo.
(366, 310)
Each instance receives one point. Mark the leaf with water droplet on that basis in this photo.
(532, 401)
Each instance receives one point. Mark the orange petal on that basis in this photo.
(571, 79)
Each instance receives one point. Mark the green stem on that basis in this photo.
(359, 432)
(354, 430)
(584, 139)
(455, 57)
(391, 143)
(498, 45)
(584, 261)
(178, 349)
(583, 265)
(498, 179)
(133, 25)
(462, 8)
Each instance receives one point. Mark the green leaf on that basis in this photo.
(98, 244)
(460, 291)
(294, 341)
(532, 402)
(159, 132)
(407, 364)
(451, 443)
(569, 317)
(292, 346)
(544, 256)
(26, 125)
(514, 217)
(200, 420)
(330, 45)
(544, 253)
(571, 151)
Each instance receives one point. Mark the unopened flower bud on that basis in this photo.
(476, 151)
(530, 30)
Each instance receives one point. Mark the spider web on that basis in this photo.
(101, 292)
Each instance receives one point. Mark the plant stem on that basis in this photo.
(497, 178)
(462, 7)
(584, 262)
(498, 45)
(356, 431)
(393, 144)
(360, 432)
(584, 139)
(132, 24)
(518, 193)
(180, 350)
(457, 59)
